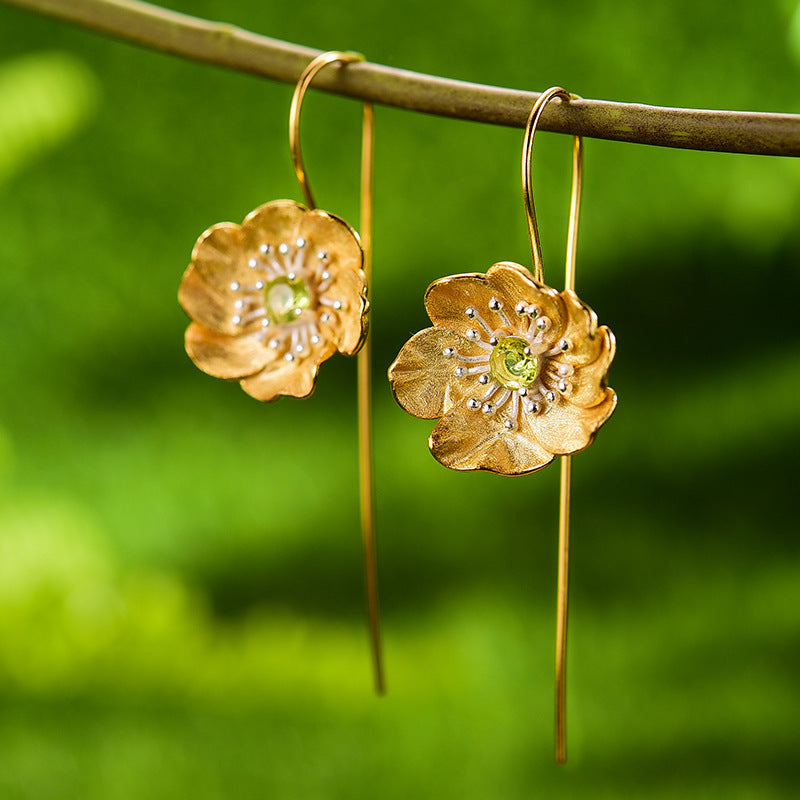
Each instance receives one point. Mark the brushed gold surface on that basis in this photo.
(229, 266)
(425, 383)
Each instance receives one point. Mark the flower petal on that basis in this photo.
(348, 326)
(218, 257)
(465, 440)
(274, 223)
(328, 234)
(589, 381)
(283, 378)
(228, 356)
(580, 332)
(423, 379)
(205, 305)
(566, 428)
(512, 283)
(447, 300)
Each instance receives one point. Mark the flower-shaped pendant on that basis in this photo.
(274, 297)
(516, 371)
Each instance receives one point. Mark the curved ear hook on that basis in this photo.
(308, 75)
(527, 191)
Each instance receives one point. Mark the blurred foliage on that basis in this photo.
(180, 588)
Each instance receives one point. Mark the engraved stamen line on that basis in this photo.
(472, 359)
(492, 389)
(478, 370)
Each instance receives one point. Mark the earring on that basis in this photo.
(516, 371)
(274, 297)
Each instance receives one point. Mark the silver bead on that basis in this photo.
(562, 386)
(460, 372)
(448, 352)
(289, 357)
(488, 408)
(325, 276)
(493, 340)
(564, 345)
(473, 404)
(509, 424)
(283, 248)
(322, 255)
(274, 343)
(534, 311)
(265, 322)
(494, 304)
(472, 334)
(471, 312)
(527, 351)
(301, 242)
(235, 286)
(265, 248)
(326, 317)
(523, 392)
(563, 370)
(291, 276)
(337, 304)
(550, 396)
(236, 320)
(484, 379)
(531, 406)
(543, 323)
(259, 284)
(314, 339)
(520, 308)
(252, 263)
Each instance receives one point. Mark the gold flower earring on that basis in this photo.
(516, 371)
(274, 297)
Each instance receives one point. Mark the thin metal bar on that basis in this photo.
(365, 448)
(561, 616)
(562, 598)
(364, 389)
(303, 83)
(226, 45)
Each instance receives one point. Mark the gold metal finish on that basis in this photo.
(223, 291)
(274, 297)
(516, 372)
(319, 63)
(365, 448)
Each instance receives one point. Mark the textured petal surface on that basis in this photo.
(273, 223)
(589, 381)
(468, 440)
(204, 304)
(349, 324)
(423, 379)
(218, 257)
(566, 428)
(447, 300)
(282, 378)
(326, 233)
(512, 284)
(227, 356)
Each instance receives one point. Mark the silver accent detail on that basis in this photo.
(495, 304)
(265, 248)
(488, 408)
(460, 372)
(472, 334)
(274, 343)
(283, 248)
(520, 307)
(484, 379)
(301, 242)
(509, 425)
(236, 319)
(473, 404)
(550, 396)
(471, 312)
(252, 263)
(235, 286)
(448, 352)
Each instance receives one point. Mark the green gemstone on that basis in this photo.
(509, 365)
(285, 299)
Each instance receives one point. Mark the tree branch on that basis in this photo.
(229, 46)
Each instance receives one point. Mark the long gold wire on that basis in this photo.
(308, 74)
(365, 448)
(562, 598)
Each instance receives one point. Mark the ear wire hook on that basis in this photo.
(566, 461)
(366, 471)
(308, 75)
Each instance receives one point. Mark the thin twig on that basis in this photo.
(229, 46)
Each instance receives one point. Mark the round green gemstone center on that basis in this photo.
(285, 299)
(509, 365)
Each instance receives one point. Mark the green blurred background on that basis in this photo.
(180, 580)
